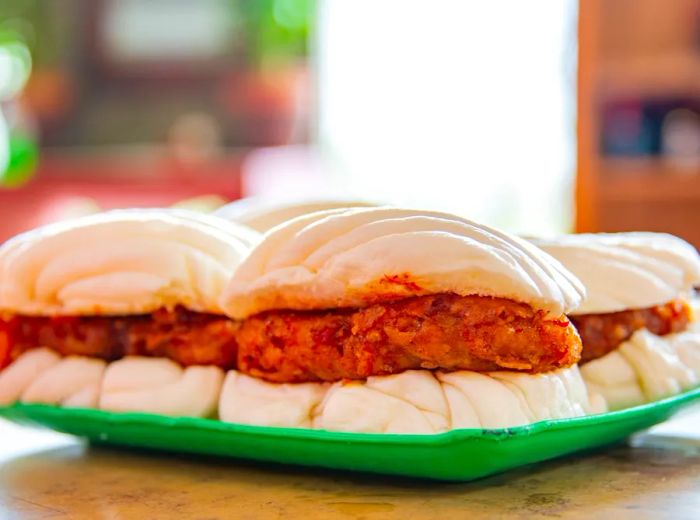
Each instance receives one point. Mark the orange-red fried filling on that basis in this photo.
(442, 331)
(189, 338)
(603, 333)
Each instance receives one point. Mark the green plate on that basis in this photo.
(455, 455)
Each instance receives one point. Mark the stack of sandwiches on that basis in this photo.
(362, 319)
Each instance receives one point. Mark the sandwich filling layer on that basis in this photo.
(442, 331)
(602, 333)
(184, 336)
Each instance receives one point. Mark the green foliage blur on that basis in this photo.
(279, 29)
(18, 151)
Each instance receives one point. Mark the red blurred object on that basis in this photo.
(271, 105)
(5, 335)
(49, 95)
(114, 181)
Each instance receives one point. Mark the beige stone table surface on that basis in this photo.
(46, 475)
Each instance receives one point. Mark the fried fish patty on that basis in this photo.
(187, 337)
(603, 333)
(442, 331)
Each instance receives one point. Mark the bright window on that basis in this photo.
(466, 106)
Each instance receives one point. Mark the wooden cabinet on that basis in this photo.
(638, 50)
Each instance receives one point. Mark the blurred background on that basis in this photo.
(538, 117)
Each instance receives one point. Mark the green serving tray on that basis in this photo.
(455, 455)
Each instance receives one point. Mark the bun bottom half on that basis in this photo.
(645, 368)
(414, 401)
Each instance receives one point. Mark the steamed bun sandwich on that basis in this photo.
(120, 311)
(401, 321)
(640, 338)
(262, 215)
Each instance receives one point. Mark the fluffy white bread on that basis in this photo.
(249, 400)
(347, 257)
(262, 215)
(626, 270)
(645, 368)
(122, 262)
(72, 382)
(410, 402)
(16, 378)
(687, 347)
(160, 386)
(415, 401)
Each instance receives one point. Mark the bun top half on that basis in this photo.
(626, 270)
(355, 257)
(122, 262)
(263, 216)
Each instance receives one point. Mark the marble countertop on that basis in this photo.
(46, 475)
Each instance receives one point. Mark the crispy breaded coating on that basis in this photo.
(603, 333)
(189, 338)
(442, 331)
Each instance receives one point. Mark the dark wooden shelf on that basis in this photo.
(676, 74)
(648, 195)
(633, 49)
(644, 180)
